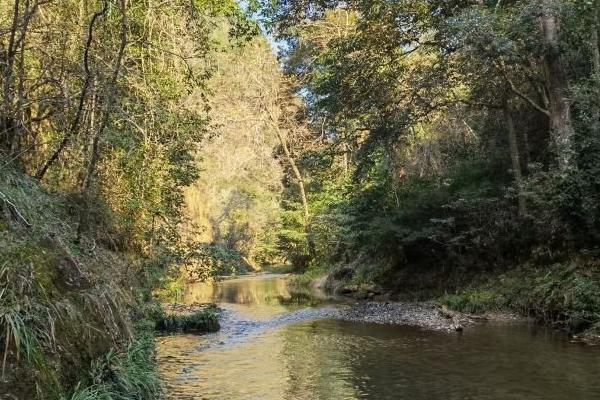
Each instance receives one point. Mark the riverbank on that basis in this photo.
(75, 311)
(564, 296)
(369, 303)
(426, 315)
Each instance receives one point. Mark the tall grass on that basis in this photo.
(127, 375)
(27, 320)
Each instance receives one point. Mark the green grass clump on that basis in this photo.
(125, 375)
(206, 320)
(473, 301)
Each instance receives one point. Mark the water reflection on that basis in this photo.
(326, 359)
(260, 295)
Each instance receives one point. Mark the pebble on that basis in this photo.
(401, 313)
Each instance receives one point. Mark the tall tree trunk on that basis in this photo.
(557, 85)
(346, 161)
(296, 172)
(515, 158)
(595, 50)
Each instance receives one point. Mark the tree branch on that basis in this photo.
(520, 94)
(86, 84)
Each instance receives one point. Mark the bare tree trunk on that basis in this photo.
(557, 85)
(515, 158)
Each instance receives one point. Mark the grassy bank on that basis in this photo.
(69, 304)
(128, 373)
(77, 317)
(565, 295)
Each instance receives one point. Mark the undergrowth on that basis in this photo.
(63, 302)
(566, 295)
(125, 375)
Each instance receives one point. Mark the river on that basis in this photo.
(268, 349)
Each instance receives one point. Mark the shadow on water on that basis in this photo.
(274, 347)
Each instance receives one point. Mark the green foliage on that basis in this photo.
(192, 263)
(473, 301)
(419, 181)
(565, 295)
(172, 288)
(220, 260)
(105, 104)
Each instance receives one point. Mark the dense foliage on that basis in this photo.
(103, 106)
(457, 139)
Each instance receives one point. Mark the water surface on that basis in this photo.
(268, 350)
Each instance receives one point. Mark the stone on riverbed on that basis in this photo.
(425, 315)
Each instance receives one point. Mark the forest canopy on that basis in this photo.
(455, 138)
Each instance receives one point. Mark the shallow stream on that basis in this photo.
(268, 349)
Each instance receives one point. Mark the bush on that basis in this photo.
(566, 295)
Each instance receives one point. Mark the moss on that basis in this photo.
(206, 320)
